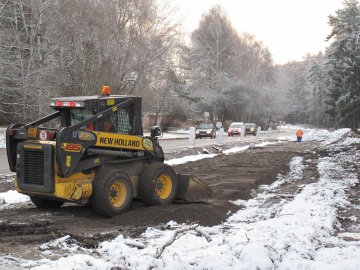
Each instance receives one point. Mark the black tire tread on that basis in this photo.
(100, 197)
(147, 184)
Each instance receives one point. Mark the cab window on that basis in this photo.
(79, 114)
(120, 121)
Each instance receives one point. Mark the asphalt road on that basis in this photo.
(180, 144)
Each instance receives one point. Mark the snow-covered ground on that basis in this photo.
(292, 234)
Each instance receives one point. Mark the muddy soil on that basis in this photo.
(24, 228)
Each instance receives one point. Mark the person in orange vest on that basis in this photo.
(299, 135)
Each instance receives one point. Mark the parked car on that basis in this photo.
(235, 128)
(250, 128)
(205, 130)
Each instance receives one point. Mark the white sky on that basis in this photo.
(289, 28)
(298, 232)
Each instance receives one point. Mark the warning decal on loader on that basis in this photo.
(148, 145)
(68, 161)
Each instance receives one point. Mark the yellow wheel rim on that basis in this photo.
(163, 186)
(117, 194)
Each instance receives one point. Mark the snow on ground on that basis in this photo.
(11, 197)
(291, 234)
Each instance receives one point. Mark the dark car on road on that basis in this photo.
(250, 128)
(205, 130)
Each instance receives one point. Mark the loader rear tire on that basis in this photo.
(112, 193)
(158, 184)
(45, 203)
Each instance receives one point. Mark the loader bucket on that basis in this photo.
(191, 189)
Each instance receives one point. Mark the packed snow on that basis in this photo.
(295, 233)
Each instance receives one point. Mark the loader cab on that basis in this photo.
(75, 110)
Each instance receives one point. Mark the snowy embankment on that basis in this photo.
(298, 232)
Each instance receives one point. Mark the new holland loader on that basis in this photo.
(97, 155)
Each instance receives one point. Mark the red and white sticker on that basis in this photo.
(43, 135)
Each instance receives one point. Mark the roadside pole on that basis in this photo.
(242, 135)
(192, 137)
(220, 134)
(269, 131)
(258, 132)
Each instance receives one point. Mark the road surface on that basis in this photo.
(180, 144)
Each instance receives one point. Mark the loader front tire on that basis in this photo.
(45, 203)
(112, 193)
(158, 184)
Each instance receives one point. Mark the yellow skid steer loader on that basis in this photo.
(95, 152)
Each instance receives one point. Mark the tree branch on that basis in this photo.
(179, 231)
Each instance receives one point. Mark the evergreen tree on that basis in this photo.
(319, 79)
(343, 59)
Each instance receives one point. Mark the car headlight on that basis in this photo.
(197, 132)
(208, 132)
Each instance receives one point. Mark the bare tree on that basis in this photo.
(212, 61)
(74, 47)
(229, 70)
(24, 53)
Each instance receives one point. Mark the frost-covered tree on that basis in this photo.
(229, 72)
(25, 65)
(343, 59)
(212, 61)
(297, 91)
(320, 83)
(62, 47)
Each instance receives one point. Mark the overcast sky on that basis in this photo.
(289, 28)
